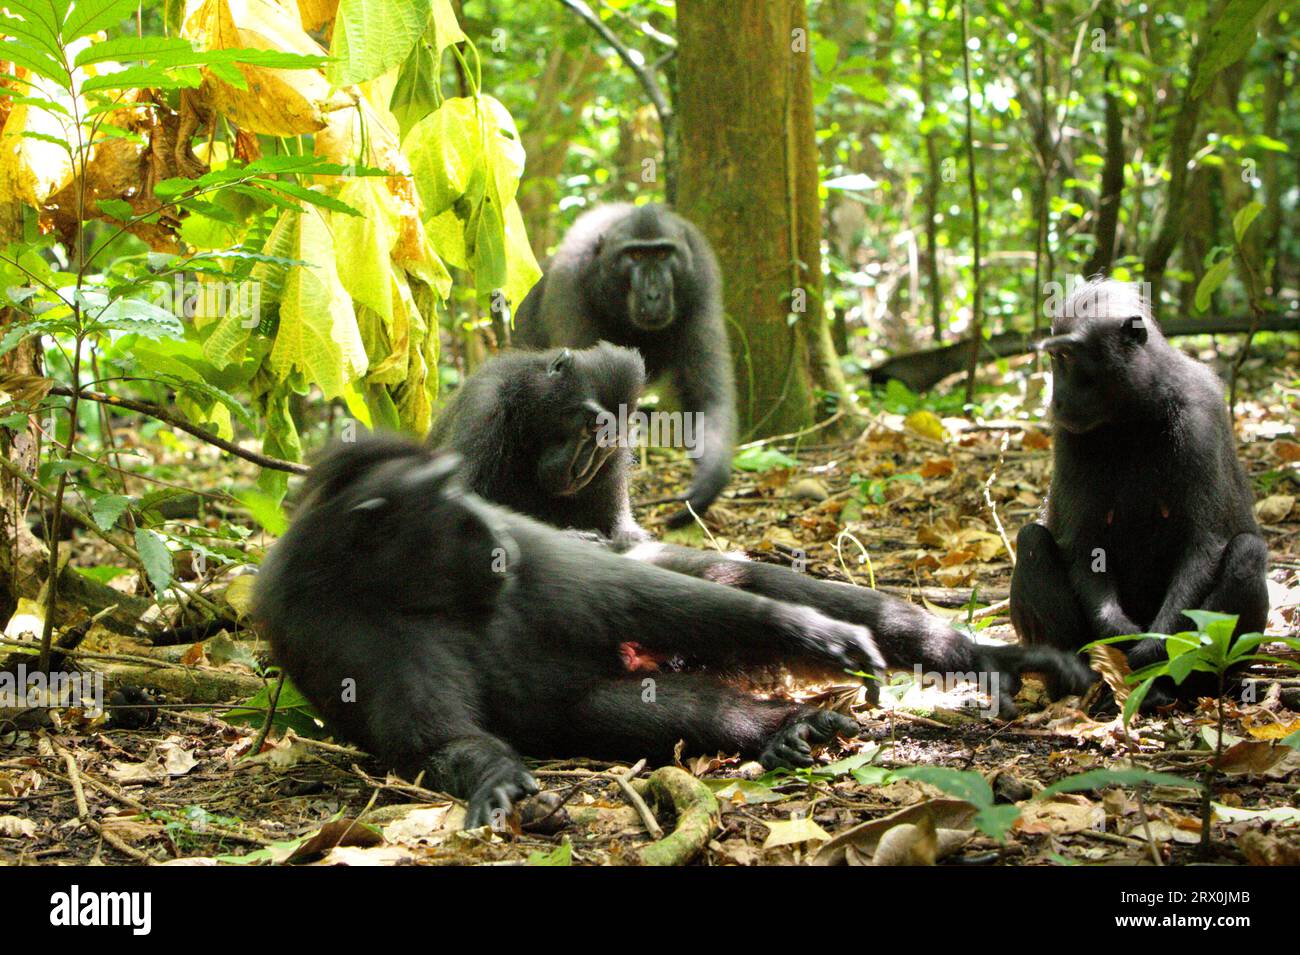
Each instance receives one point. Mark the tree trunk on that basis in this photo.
(932, 174)
(749, 181)
(21, 558)
(1181, 146)
(1112, 172)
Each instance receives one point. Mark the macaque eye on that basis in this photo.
(1061, 361)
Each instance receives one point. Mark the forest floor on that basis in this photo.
(916, 503)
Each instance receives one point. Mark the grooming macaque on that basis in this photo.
(1149, 512)
(533, 429)
(448, 635)
(502, 426)
(646, 278)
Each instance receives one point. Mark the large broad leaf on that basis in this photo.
(1101, 778)
(107, 508)
(1231, 34)
(445, 150)
(446, 30)
(155, 556)
(522, 270)
(228, 341)
(318, 336)
(373, 36)
(1214, 277)
(281, 441)
(415, 92)
(365, 244)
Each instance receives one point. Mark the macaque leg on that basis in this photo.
(1044, 606)
(1241, 584)
(630, 718)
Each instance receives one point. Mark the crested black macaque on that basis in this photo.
(523, 410)
(1149, 511)
(448, 635)
(536, 431)
(644, 277)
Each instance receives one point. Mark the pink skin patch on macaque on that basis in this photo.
(638, 658)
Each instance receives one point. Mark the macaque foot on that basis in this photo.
(495, 795)
(792, 744)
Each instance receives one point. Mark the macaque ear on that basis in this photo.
(560, 363)
(1135, 330)
(433, 474)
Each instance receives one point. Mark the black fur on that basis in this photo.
(448, 635)
(528, 425)
(502, 430)
(646, 278)
(1149, 512)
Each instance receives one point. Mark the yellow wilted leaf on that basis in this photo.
(1274, 730)
(240, 594)
(785, 832)
(318, 335)
(277, 102)
(314, 14)
(363, 244)
(927, 424)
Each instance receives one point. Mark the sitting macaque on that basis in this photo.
(1150, 512)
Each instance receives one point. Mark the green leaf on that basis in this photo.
(446, 28)
(138, 317)
(266, 510)
(146, 77)
(1101, 778)
(1134, 701)
(1244, 217)
(1293, 740)
(155, 556)
(965, 785)
(312, 196)
(38, 61)
(292, 711)
(107, 508)
(91, 16)
(414, 94)
(1232, 33)
(996, 821)
(318, 335)
(373, 36)
(1210, 282)
(118, 209)
(103, 573)
(762, 460)
(561, 855)
(1218, 626)
(16, 332)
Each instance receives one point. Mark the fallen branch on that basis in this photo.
(922, 370)
(624, 781)
(177, 421)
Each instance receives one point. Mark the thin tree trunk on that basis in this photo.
(1112, 172)
(747, 169)
(1265, 239)
(932, 179)
(813, 326)
(1181, 146)
(977, 305)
